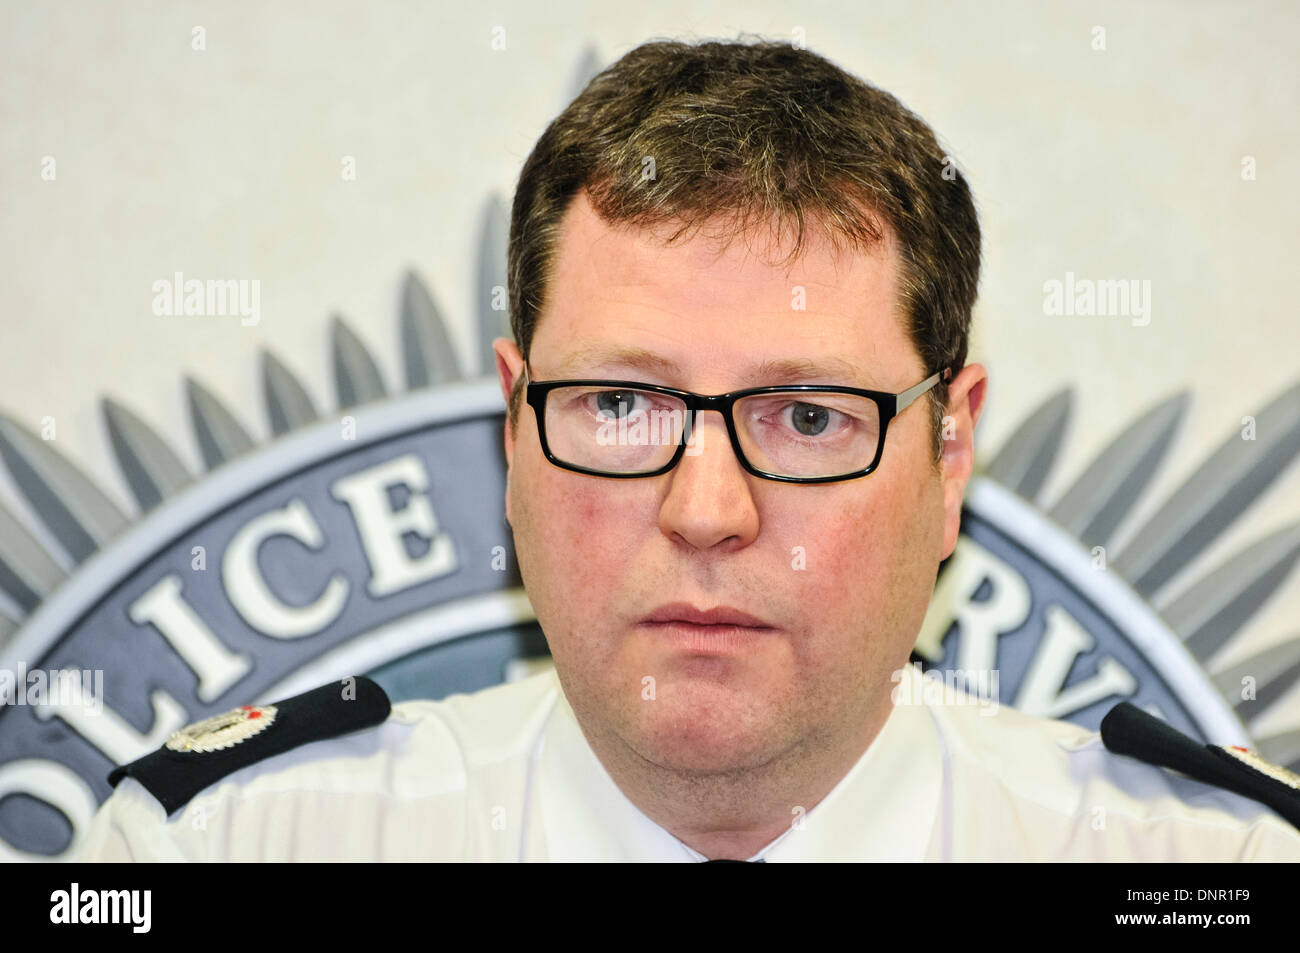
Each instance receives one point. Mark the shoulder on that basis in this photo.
(1061, 793)
(336, 772)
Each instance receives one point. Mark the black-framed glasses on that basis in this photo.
(799, 433)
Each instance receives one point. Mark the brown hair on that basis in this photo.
(765, 132)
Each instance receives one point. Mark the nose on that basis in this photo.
(709, 500)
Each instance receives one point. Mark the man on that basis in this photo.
(730, 587)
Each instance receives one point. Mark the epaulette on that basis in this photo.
(206, 751)
(1129, 730)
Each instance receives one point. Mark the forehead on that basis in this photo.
(715, 308)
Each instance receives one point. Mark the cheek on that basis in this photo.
(868, 556)
(570, 551)
(851, 546)
(915, 539)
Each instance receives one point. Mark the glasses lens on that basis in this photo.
(808, 433)
(614, 430)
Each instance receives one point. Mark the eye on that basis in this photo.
(614, 403)
(809, 420)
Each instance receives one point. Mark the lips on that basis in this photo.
(720, 616)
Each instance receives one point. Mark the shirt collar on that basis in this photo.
(883, 809)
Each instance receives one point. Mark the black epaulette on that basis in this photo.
(206, 751)
(1129, 730)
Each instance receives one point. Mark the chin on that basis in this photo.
(705, 740)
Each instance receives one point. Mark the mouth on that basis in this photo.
(721, 617)
(716, 631)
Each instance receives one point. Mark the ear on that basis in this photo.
(966, 394)
(510, 364)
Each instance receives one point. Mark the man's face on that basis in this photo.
(840, 572)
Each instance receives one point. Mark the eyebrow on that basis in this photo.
(788, 370)
(591, 356)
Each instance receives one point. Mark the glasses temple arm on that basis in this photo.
(909, 395)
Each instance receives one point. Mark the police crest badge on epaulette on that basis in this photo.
(223, 731)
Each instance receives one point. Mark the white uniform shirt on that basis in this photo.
(505, 774)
